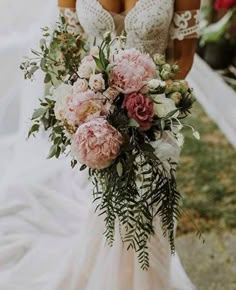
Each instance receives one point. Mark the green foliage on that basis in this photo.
(58, 57)
(45, 117)
(59, 54)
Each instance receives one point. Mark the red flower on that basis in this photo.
(225, 4)
(140, 108)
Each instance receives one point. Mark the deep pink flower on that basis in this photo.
(140, 108)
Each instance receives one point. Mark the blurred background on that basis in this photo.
(207, 173)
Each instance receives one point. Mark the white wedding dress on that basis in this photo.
(50, 237)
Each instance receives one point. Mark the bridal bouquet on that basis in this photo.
(109, 111)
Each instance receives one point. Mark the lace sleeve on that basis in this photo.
(71, 18)
(185, 24)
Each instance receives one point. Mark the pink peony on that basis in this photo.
(132, 69)
(140, 108)
(87, 106)
(96, 144)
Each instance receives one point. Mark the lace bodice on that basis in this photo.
(147, 25)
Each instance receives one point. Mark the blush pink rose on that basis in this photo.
(87, 67)
(132, 69)
(81, 85)
(140, 108)
(87, 106)
(96, 144)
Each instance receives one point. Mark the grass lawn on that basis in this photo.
(207, 177)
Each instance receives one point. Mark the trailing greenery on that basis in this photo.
(135, 189)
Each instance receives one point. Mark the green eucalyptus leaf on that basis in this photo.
(58, 129)
(47, 78)
(52, 151)
(33, 70)
(38, 113)
(58, 152)
(42, 43)
(33, 129)
(57, 140)
(43, 63)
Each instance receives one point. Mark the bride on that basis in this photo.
(50, 237)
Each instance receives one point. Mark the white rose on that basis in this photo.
(155, 83)
(96, 82)
(87, 67)
(81, 85)
(166, 148)
(63, 96)
(85, 70)
(163, 106)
